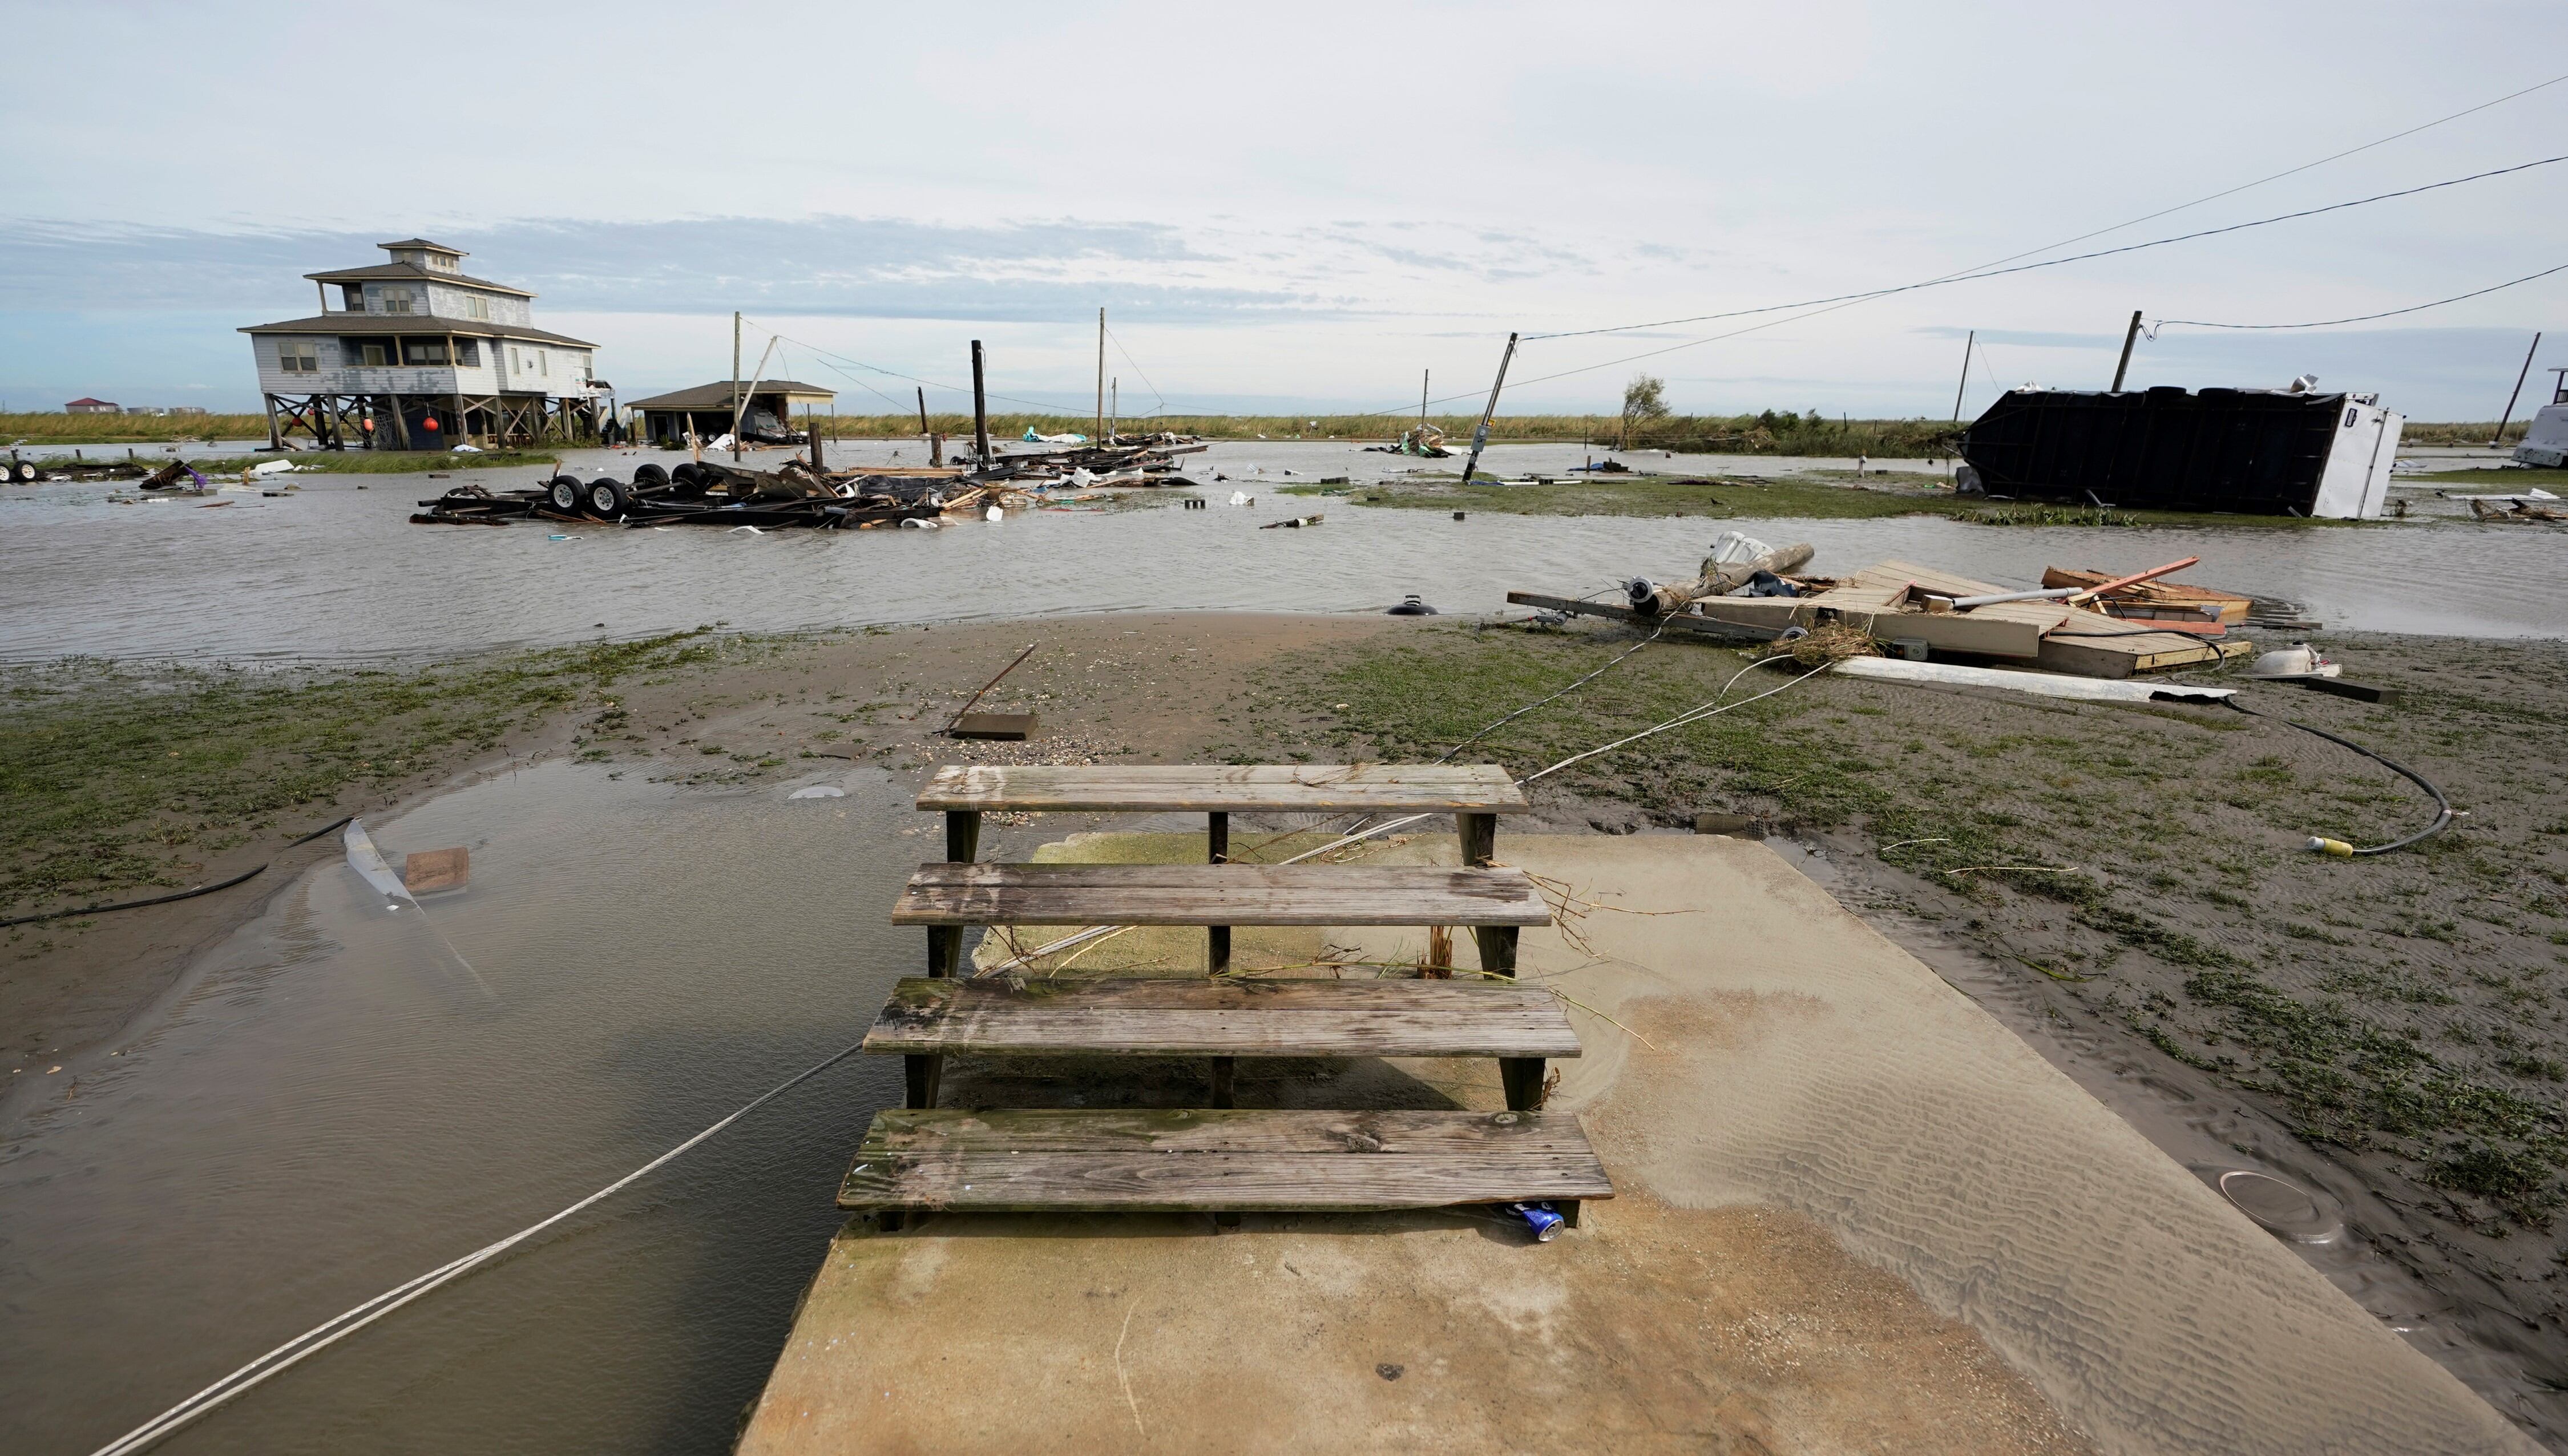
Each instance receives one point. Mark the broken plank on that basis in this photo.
(1217, 894)
(1484, 788)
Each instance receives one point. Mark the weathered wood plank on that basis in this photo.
(1204, 1161)
(1223, 894)
(1400, 1132)
(1228, 788)
(1170, 1017)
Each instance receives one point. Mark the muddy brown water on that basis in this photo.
(330, 1104)
(335, 571)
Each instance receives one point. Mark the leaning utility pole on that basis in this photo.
(1100, 375)
(1481, 437)
(1960, 388)
(735, 385)
(2131, 336)
(1424, 375)
(923, 414)
(2526, 373)
(980, 411)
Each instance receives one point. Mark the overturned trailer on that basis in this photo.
(2288, 452)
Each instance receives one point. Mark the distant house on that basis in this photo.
(418, 355)
(145, 410)
(186, 409)
(93, 407)
(766, 410)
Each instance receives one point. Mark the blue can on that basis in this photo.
(1545, 1223)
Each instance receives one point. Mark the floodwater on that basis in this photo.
(338, 1098)
(335, 571)
(332, 1104)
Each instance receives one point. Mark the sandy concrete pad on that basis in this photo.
(1854, 1213)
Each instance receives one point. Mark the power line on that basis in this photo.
(1137, 368)
(1997, 272)
(2153, 330)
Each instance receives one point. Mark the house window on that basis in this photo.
(543, 363)
(476, 306)
(417, 353)
(397, 300)
(518, 359)
(299, 357)
(374, 356)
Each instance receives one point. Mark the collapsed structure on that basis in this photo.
(2288, 452)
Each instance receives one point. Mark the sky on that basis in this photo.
(1305, 208)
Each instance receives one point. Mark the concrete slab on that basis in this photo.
(1854, 1213)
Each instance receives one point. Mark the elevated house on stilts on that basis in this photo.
(418, 355)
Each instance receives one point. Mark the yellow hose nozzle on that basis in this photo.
(2337, 847)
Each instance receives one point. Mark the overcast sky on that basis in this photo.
(1297, 206)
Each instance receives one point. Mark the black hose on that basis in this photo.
(2442, 807)
(248, 874)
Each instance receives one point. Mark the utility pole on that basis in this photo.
(2526, 373)
(1100, 375)
(2131, 336)
(922, 414)
(1424, 375)
(1965, 385)
(735, 385)
(1114, 407)
(1481, 437)
(980, 411)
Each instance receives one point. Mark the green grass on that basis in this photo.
(113, 778)
(2090, 822)
(2510, 478)
(53, 427)
(1794, 497)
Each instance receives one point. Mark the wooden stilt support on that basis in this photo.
(1479, 838)
(1217, 936)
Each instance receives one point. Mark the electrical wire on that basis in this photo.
(168, 899)
(330, 1331)
(1137, 368)
(1710, 708)
(2151, 332)
(2443, 811)
(1977, 274)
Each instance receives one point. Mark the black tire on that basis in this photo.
(687, 481)
(566, 493)
(607, 497)
(650, 476)
(26, 473)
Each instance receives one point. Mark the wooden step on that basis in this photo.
(1221, 1016)
(1477, 789)
(1192, 1161)
(947, 893)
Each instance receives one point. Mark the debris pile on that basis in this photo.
(2082, 623)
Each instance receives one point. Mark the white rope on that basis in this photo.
(1696, 713)
(330, 1331)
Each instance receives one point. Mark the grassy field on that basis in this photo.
(1770, 434)
(57, 428)
(113, 778)
(2406, 1009)
(2508, 480)
(1816, 496)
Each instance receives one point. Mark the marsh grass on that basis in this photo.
(114, 777)
(2129, 820)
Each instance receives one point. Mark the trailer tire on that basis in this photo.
(650, 476)
(564, 492)
(607, 498)
(24, 472)
(687, 481)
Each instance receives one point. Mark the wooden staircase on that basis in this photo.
(1220, 1159)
